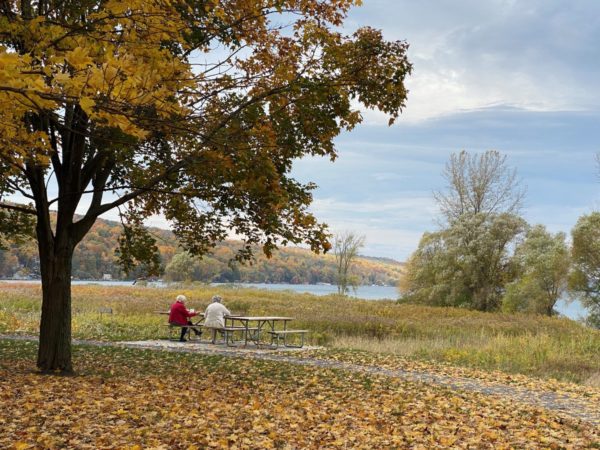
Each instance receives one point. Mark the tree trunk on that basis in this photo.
(54, 353)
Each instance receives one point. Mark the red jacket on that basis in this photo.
(179, 314)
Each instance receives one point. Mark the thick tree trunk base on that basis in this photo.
(54, 351)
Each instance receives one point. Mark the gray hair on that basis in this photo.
(216, 299)
(181, 298)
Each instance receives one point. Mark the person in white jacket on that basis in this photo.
(214, 316)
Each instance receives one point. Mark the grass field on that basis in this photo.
(531, 345)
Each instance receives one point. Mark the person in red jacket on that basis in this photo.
(180, 315)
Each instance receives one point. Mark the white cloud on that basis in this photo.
(407, 208)
(541, 55)
(392, 228)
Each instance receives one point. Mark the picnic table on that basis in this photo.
(251, 328)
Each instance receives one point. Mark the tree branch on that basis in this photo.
(18, 208)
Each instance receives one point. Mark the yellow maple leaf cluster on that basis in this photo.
(115, 65)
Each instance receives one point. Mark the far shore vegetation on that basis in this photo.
(534, 345)
(94, 258)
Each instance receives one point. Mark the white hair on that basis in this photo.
(181, 298)
(216, 299)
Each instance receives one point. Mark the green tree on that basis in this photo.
(429, 274)
(180, 268)
(584, 280)
(542, 263)
(128, 105)
(346, 246)
(465, 265)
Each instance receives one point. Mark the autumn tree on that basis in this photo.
(542, 264)
(193, 109)
(346, 247)
(584, 280)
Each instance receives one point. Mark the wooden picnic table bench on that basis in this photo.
(229, 332)
(278, 335)
(175, 326)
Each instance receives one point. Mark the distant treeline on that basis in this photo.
(95, 257)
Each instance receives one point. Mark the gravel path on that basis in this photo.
(553, 401)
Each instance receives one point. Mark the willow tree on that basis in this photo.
(194, 110)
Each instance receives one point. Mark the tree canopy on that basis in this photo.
(194, 109)
(465, 265)
(542, 264)
(479, 183)
(210, 101)
(467, 262)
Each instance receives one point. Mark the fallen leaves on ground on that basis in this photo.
(587, 394)
(142, 399)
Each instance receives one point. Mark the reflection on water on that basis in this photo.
(573, 310)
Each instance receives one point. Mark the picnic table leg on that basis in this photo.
(274, 338)
(257, 335)
(227, 336)
(285, 334)
(261, 324)
(272, 326)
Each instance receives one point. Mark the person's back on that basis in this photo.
(214, 316)
(178, 313)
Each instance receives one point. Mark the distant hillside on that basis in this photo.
(382, 260)
(95, 257)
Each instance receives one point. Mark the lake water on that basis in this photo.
(574, 310)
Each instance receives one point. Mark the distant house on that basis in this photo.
(107, 277)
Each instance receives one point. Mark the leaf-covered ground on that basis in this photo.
(123, 398)
(572, 400)
(587, 394)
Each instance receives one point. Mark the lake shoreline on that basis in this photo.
(571, 309)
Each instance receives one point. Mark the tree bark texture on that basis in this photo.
(54, 352)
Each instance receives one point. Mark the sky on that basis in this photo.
(518, 77)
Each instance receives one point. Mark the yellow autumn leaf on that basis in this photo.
(21, 446)
(62, 78)
(79, 57)
(87, 104)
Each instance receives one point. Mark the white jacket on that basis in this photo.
(214, 315)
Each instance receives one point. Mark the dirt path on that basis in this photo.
(562, 404)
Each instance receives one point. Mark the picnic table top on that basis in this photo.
(257, 318)
(166, 313)
(240, 317)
